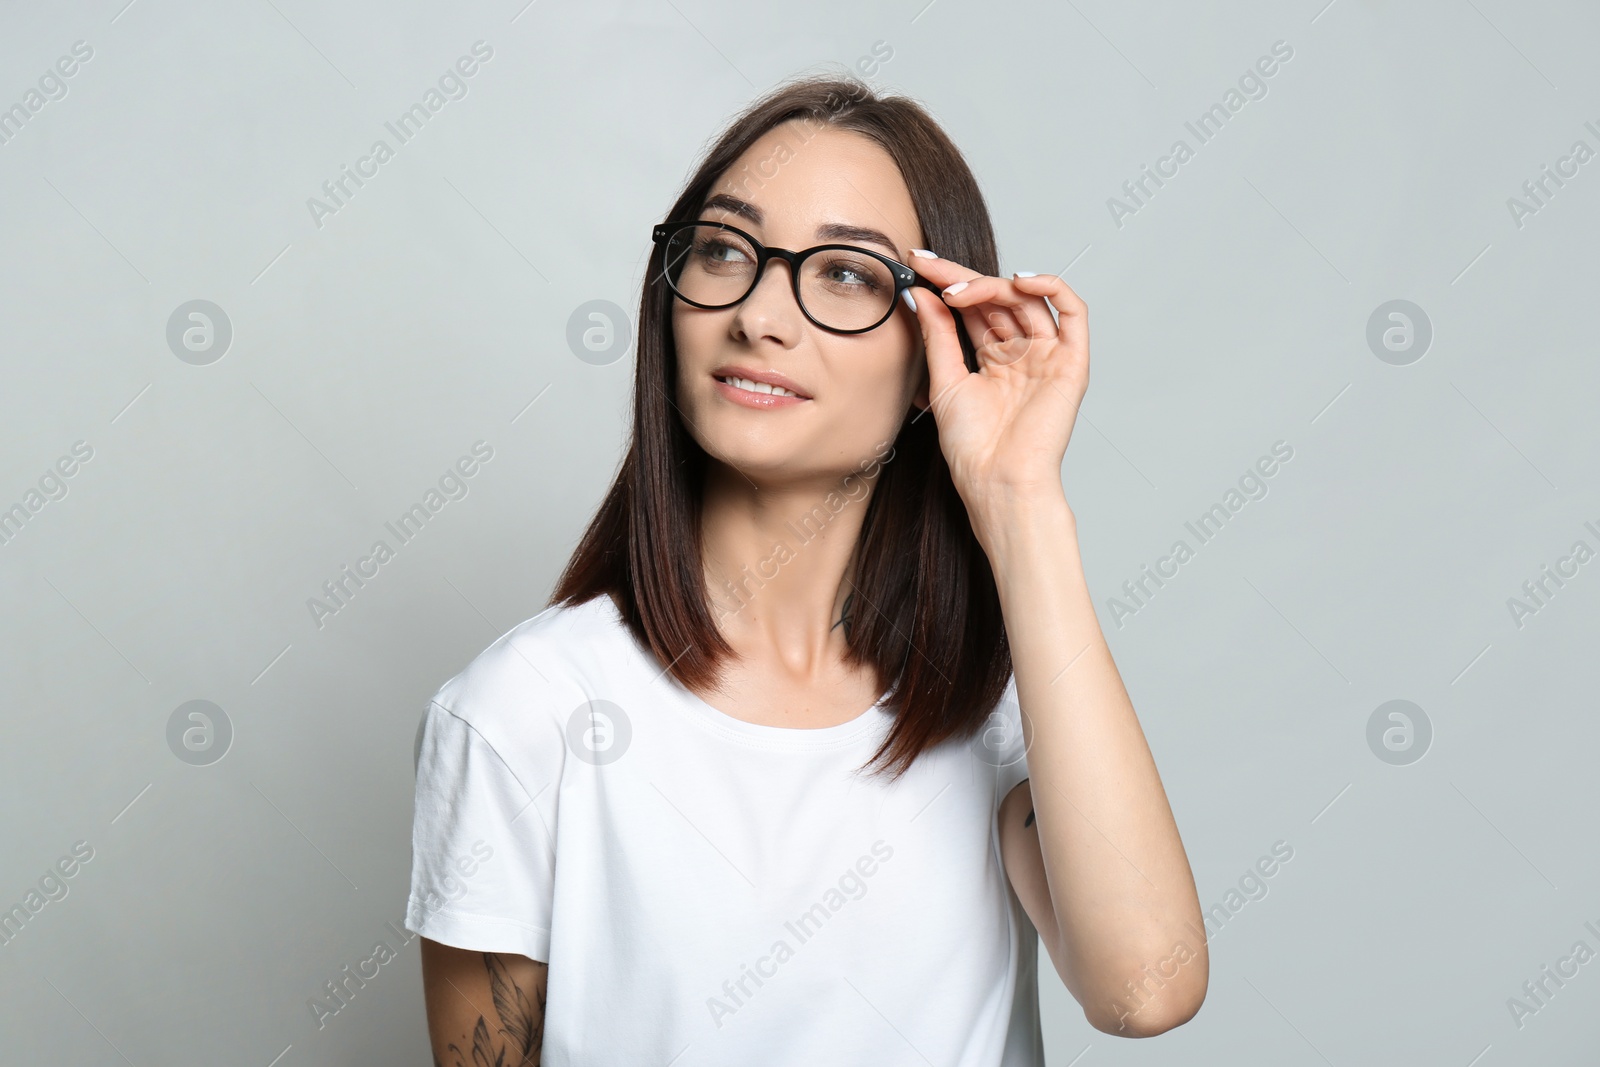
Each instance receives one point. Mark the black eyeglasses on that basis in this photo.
(841, 288)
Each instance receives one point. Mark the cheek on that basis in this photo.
(911, 369)
(877, 398)
(689, 341)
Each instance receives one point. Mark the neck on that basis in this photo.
(776, 557)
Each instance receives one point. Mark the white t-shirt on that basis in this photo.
(712, 891)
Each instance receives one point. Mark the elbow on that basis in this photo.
(1146, 1022)
(1143, 1012)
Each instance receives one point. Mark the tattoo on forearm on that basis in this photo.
(522, 1029)
(1029, 820)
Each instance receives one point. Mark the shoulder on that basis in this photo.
(539, 670)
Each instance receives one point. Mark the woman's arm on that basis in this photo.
(483, 1006)
(1100, 856)
(1024, 865)
(1129, 939)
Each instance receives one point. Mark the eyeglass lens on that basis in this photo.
(844, 290)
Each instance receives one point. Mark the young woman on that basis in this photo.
(654, 824)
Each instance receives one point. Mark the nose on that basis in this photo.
(771, 304)
(776, 274)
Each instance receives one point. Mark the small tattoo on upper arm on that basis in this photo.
(522, 1028)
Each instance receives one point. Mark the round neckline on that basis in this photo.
(739, 729)
(785, 736)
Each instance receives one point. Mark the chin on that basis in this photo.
(757, 460)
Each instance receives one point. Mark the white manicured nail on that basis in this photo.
(1026, 274)
(924, 253)
(954, 289)
(911, 302)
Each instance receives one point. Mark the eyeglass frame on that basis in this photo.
(904, 277)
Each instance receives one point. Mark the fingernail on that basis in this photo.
(911, 301)
(924, 253)
(954, 289)
(1025, 274)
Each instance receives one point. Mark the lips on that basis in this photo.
(761, 382)
(757, 387)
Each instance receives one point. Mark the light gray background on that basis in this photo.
(431, 311)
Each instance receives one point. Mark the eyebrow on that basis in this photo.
(828, 231)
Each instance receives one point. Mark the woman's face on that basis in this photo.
(857, 388)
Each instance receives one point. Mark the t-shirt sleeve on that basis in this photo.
(1011, 751)
(482, 854)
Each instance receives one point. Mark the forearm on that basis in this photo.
(1120, 883)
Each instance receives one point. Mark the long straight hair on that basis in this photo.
(925, 610)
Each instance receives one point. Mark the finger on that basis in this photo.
(991, 325)
(947, 367)
(1073, 328)
(938, 270)
(1028, 310)
(983, 325)
(987, 324)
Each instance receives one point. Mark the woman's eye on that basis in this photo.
(851, 274)
(719, 251)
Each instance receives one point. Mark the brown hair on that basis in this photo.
(927, 616)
